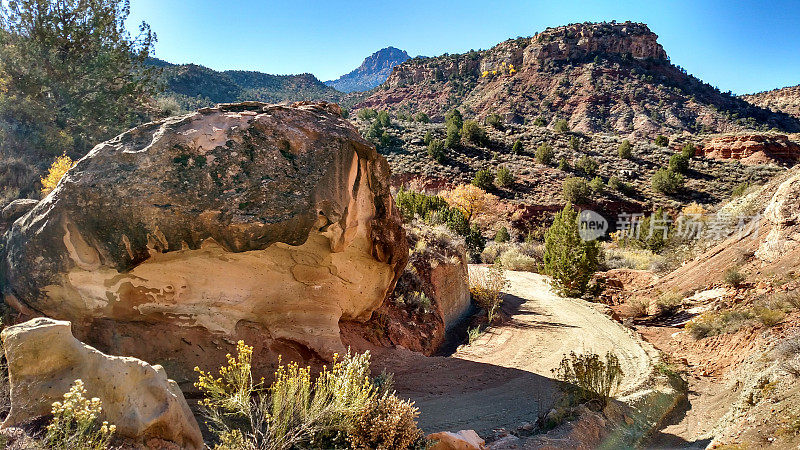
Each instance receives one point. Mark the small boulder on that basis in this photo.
(463, 440)
(44, 360)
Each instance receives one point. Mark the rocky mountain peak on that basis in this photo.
(375, 69)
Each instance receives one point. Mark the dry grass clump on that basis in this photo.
(787, 354)
(668, 303)
(631, 258)
(766, 312)
(340, 408)
(486, 286)
(638, 306)
(526, 257)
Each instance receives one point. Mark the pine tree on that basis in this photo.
(570, 260)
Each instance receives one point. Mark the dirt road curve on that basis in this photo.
(504, 379)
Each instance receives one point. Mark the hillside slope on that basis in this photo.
(786, 100)
(375, 69)
(600, 77)
(195, 86)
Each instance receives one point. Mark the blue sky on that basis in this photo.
(744, 46)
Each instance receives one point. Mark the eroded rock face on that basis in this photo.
(753, 148)
(782, 219)
(273, 218)
(44, 360)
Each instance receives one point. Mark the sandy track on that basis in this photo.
(504, 379)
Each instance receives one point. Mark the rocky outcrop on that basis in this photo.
(246, 221)
(463, 440)
(44, 360)
(782, 220)
(582, 40)
(753, 148)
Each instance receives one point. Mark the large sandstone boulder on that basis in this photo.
(44, 360)
(246, 221)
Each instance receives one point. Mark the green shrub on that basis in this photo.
(475, 240)
(384, 120)
(418, 205)
(502, 235)
(615, 184)
(733, 277)
(587, 166)
(453, 136)
(679, 163)
(625, 150)
(473, 334)
(589, 377)
(517, 147)
(561, 126)
(576, 190)
(454, 117)
(574, 143)
(563, 165)
(544, 154)
(367, 114)
(421, 117)
(494, 121)
(540, 122)
(662, 141)
(740, 189)
(473, 133)
(484, 179)
(570, 260)
(597, 185)
(504, 177)
(689, 150)
(436, 150)
(428, 137)
(666, 181)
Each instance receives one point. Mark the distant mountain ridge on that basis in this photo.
(608, 77)
(196, 86)
(375, 69)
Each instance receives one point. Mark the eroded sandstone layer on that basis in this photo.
(176, 238)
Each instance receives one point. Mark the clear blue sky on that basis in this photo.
(743, 46)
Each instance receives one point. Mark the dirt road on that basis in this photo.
(504, 378)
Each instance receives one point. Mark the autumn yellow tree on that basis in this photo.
(470, 199)
(57, 170)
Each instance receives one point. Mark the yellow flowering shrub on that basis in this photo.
(57, 170)
(75, 422)
(295, 411)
